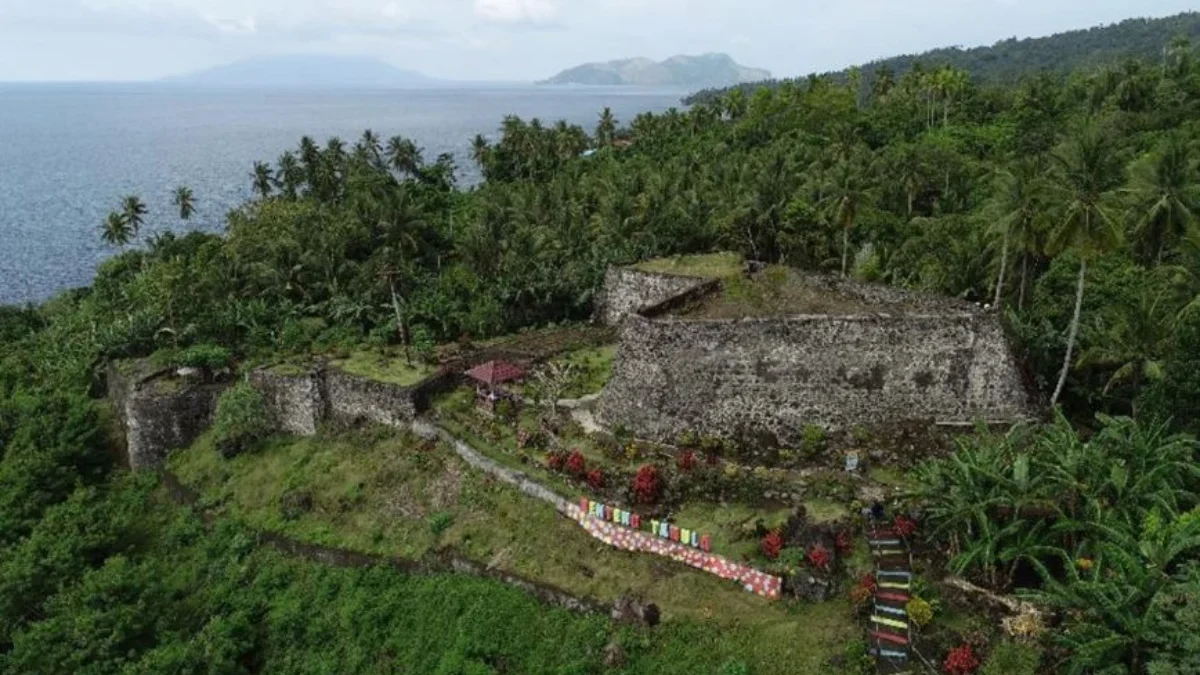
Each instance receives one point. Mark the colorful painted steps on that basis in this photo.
(890, 634)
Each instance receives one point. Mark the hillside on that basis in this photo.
(705, 70)
(304, 71)
(1008, 60)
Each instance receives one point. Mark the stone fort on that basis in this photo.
(769, 349)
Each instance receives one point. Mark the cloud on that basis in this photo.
(517, 12)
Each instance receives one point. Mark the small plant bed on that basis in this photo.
(380, 492)
(590, 369)
(389, 366)
(538, 344)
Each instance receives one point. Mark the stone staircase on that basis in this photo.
(889, 635)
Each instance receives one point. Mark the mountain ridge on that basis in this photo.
(701, 70)
(301, 70)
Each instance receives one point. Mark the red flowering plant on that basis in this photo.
(687, 460)
(576, 464)
(861, 593)
(844, 543)
(595, 479)
(646, 484)
(555, 459)
(771, 544)
(905, 526)
(819, 557)
(961, 661)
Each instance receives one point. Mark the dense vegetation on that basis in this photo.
(1070, 206)
(1008, 61)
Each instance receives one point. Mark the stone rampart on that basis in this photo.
(627, 290)
(723, 377)
(294, 401)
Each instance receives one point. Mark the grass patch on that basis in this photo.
(384, 367)
(825, 511)
(288, 370)
(731, 525)
(710, 266)
(382, 492)
(777, 291)
(890, 477)
(592, 367)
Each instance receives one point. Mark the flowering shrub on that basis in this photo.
(844, 543)
(555, 460)
(595, 479)
(920, 612)
(819, 557)
(960, 661)
(576, 464)
(771, 544)
(859, 595)
(687, 460)
(868, 582)
(905, 526)
(646, 484)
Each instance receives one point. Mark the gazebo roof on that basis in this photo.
(495, 372)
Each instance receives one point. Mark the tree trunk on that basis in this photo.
(1024, 271)
(946, 111)
(401, 324)
(845, 248)
(1071, 334)
(910, 202)
(1003, 268)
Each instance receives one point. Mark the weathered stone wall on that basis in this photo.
(353, 399)
(778, 374)
(294, 402)
(159, 419)
(627, 290)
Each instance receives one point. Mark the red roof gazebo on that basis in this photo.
(493, 373)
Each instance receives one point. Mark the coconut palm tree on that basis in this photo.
(404, 156)
(133, 211)
(115, 231)
(184, 199)
(606, 129)
(371, 146)
(1165, 192)
(845, 193)
(1017, 207)
(1090, 171)
(264, 179)
(1136, 346)
(290, 174)
(479, 150)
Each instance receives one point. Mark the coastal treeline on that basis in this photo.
(1067, 206)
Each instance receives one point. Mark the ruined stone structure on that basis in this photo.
(628, 291)
(918, 358)
(161, 412)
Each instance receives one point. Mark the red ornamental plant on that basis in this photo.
(771, 544)
(555, 460)
(819, 557)
(687, 460)
(905, 526)
(646, 484)
(960, 661)
(868, 582)
(576, 464)
(595, 479)
(844, 544)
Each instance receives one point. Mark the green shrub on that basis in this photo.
(440, 522)
(241, 419)
(1010, 658)
(734, 668)
(814, 440)
(206, 356)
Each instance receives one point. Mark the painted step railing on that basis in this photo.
(890, 634)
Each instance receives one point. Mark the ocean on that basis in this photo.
(68, 153)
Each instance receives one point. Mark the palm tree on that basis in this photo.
(184, 199)
(116, 231)
(133, 211)
(371, 145)
(1164, 188)
(290, 174)
(844, 195)
(1090, 171)
(606, 129)
(404, 156)
(1017, 207)
(479, 150)
(264, 179)
(1137, 345)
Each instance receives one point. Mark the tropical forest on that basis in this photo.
(1067, 205)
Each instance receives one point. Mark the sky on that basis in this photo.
(513, 40)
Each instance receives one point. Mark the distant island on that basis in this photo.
(306, 71)
(705, 70)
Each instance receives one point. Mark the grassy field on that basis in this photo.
(711, 265)
(592, 367)
(391, 368)
(380, 492)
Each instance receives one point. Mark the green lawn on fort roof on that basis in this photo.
(711, 265)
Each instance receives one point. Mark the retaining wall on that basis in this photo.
(775, 375)
(627, 290)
